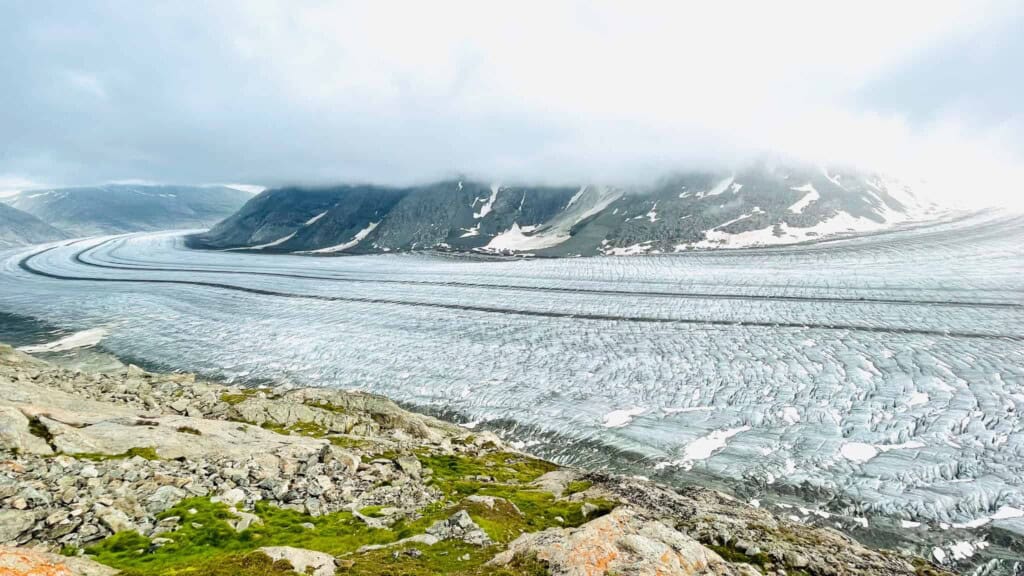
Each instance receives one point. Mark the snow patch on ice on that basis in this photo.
(860, 452)
(620, 418)
(1007, 512)
(703, 448)
(917, 398)
(83, 339)
(790, 415)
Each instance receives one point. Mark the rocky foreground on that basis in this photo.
(137, 473)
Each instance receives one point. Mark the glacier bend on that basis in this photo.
(886, 372)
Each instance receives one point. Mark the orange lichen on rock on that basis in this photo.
(619, 540)
(14, 562)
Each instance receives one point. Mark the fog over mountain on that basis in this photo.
(276, 93)
(119, 208)
(19, 228)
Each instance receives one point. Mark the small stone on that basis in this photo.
(89, 472)
(794, 559)
(233, 497)
(115, 520)
(410, 465)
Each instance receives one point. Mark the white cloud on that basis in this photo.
(11, 185)
(273, 91)
(87, 83)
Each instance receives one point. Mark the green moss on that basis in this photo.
(578, 486)
(372, 511)
(36, 428)
(347, 442)
(69, 550)
(310, 429)
(251, 564)
(923, 567)
(242, 395)
(730, 554)
(504, 467)
(204, 538)
(189, 430)
(760, 559)
(204, 541)
(146, 452)
(452, 558)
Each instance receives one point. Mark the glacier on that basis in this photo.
(879, 378)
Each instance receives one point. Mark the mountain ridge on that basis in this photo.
(762, 205)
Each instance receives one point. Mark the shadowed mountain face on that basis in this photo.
(118, 208)
(761, 206)
(19, 228)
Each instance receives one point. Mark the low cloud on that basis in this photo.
(276, 92)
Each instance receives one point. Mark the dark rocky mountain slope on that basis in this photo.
(761, 206)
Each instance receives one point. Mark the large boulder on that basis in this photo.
(27, 562)
(622, 542)
(17, 436)
(303, 561)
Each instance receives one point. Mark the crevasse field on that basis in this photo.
(875, 381)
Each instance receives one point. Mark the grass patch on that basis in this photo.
(205, 538)
(310, 429)
(452, 558)
(189, 430)
(577, 486)
(347, 442)
(251, 564)
(205, 543)
(372, 511)
(242, 395)
(504, 467)
(146, 452)
(761, 559)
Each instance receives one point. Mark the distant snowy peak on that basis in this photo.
(759, 206)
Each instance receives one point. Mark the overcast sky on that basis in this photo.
(275, 92)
